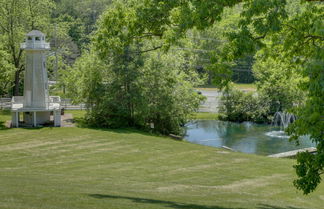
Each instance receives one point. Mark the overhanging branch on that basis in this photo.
(148, 50)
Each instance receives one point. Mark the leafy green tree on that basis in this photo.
(81, 15)
(6, 73)
(135, 90)
(167, 95)
(17, 17)
(240, 106)
(277, 84)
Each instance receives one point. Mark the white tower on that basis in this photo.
(36, 104)
(36, 83)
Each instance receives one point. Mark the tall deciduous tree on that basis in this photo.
(136, 89)
(6, 73)
(17, 17)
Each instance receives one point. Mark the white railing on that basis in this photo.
(54, 99)
(17, 100)
(35, 45)
(6, 103)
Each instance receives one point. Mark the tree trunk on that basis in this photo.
(16, 84)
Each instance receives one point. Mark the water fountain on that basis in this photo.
(281, 119)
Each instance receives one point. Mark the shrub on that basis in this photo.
(240, 106)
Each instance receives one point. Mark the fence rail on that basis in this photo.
(210, 105)
(5, 103)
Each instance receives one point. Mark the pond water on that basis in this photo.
(244, 137)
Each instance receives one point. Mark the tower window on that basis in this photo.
(30, 38)
(37, 38)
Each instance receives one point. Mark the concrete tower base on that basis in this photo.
(34, 117)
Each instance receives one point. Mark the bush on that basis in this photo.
(240, 106)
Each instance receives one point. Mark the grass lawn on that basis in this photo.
(76, 113)
(245, 86)
(4, 116)
(241, 86)
(204, 116)
(80, 168)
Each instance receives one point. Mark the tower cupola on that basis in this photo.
(35, 40)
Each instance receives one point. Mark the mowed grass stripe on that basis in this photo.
(68, 156)
(42, 148)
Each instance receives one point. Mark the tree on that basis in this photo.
(167, 93)
(81, 15)
(264, 23)
(17, 17)
(136, 90)
(277, 83)
(6, 73)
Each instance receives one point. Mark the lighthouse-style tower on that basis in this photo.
(36, 83)
(36, 104)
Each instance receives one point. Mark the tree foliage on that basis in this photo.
(137, 90)
(68, 25)
(6, 73)
(277, 84)
(17, 17)
(239, 106)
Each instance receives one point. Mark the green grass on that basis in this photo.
(4, 116)
(80, 168)
(76, 113)
(194, 116)
(204, 116)
(241, 86)
(245, 86)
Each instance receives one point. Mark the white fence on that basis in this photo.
(5, 103)
(210, 105)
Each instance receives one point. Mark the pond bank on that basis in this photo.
(292, 154)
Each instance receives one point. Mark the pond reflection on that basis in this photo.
(244, 137)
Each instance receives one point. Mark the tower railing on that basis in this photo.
(17, 100)
(34, 45)
(55, 99)
(54, 102)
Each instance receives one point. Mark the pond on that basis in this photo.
(244, 137)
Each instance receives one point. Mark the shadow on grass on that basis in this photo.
(81, 123)
(4, 116)
(169, 204)
(2, 126)
(265, 206)
(177, 205)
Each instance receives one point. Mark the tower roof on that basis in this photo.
(35, 33)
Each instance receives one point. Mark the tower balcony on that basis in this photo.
(34, 45)
(17, 104)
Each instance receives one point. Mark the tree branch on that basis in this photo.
(315, 37)
(148, 35)
(148, 50)
(260, 37)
